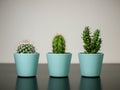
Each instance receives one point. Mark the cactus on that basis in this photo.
(25, 48)
(92, 44)
(58, 44)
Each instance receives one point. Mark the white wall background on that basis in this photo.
(40, 20)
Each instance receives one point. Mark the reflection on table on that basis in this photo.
(90, 83)
(26, 83)
(58, 84)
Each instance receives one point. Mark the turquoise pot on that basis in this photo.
(26, 64)
(59, 64)
(90, 64)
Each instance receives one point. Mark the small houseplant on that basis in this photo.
(91, 59)
(26, 59)
(58, 60)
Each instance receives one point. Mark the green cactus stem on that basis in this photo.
(92, 44)
(26, 48)
(58, 44)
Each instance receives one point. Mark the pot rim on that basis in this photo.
(90, 53)
(66, 53)
(26, 53)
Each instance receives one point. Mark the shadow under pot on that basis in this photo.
(58, 84)
(26, 64)
(59, 64)
(90, 84)
(26, 83)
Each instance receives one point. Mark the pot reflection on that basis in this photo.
(90, 83)
(58, 84)
(26, 83)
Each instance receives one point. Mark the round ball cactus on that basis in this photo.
(58, 44)
(92, 43)
(25, 48)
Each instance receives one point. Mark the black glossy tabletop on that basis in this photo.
(109, 79)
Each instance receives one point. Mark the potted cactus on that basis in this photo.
(26, 59)
(59, 60)
(91, 59)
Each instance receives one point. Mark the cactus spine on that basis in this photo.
(25, 47)
(92, 44)
(58, 44)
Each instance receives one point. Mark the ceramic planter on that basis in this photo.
(26, 64)
(90, 64)
(59, 64)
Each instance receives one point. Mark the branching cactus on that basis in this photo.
(58, 44)
(92, 44)
(25, 47)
